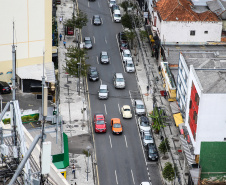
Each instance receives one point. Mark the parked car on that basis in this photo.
(122, 37)
(114, 7)
(88, 43)
(126, 111)
(116, 126)
(129, 66)
(103, 92)
(4, 88)
(111, 3)
(126, 55)
(104, 58)
(139, 107)
(152, 152)
(117, 16)
(123, 45)
(93, 74)
(97, 20)
(146, 183)
(143, 124)
(100, 123)
(119, 81)
(147, 138)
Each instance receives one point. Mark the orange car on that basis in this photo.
(116, 126)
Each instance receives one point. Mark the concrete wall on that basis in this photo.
(33, 32)
(172, 31)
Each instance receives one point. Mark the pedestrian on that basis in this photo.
(75, 183)
(64, 43)
(60, 36)
(165, 94)
(60, 19)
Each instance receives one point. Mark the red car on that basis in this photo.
(99, 122)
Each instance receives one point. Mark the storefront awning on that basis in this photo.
(35, 72)
(178, 119)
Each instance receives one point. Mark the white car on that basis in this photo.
(145, 183)
(143, 124)
(117, 16)
(119, 81)
(103, 92)
(129, 66)
(147, 138)
(139, 108)
(111, 3)
(126, 111)
(126, 55)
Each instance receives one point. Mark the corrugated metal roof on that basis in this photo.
(35, 72)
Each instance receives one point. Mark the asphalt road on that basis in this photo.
(120, 158)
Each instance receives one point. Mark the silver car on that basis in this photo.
(129, 66)
(88, 43)
(104, 58)
(103, 92)
(139, 107)
(147, 138)
(119, 81)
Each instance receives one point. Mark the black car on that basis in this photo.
(152, 152)
(4, 88)
(88, 43)
(93, 74)
(96, 20)
(114, 7)
(122, 41)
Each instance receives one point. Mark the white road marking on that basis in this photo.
(97, 60)
(132, 176)
(119, 109)
(105, 40)
(105, 109)
(94, 39)
(88, 3)
(91, 21)
(126, 141)
(116, 177)
(98, 4)
(102, 21)
(110, 141)
(100, 81)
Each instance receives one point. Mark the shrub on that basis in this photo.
(6, 121)
(168, 172)
(35, 117)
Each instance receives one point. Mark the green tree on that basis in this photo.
(72, 67)
(143, 35)
(164, 146)
(125, 5)
(130, 36)
(127, 21)
(168, 172)
(158, 119)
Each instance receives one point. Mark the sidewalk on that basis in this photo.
(147, 73)
(71, 104)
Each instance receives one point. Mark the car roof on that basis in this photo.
(129, 61)
(147, 133)
(93, 68)
(103, 86)
(139, 102)
(116, 120)
(126, 51)
(104, 53)
(119, 75)
(96, 16)
(4, 83)
(116, 11)
(144, 118)
(115, 5)
(87, 38)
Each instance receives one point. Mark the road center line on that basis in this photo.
(88, 3)
(98, 4)
(116, 177)
(110, 141)
(126, 141)
(94, 39)
(105, 109)
(100, 81)
(132, 176)
(97, 60)
(106, 40)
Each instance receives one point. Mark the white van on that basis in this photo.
(117, 16)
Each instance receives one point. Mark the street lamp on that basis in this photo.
(87, 171)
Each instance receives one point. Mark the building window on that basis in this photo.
(197, 98)
(192, 32)
(206, 32)
(190, 105)
(195, 117)
(155, 19)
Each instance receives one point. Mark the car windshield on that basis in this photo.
(140, 106)
(104, 57)
(117, 15)
(117, 125)
(93, 72)
(88, 41)
(148, 137)
(152, 150)
(103, 90)
(97, 19)
(100, 122)
(144, 124)
(119, 80)
(130, 65)
(126, 109)
(124, 44)
(113, 2)
(127, 55)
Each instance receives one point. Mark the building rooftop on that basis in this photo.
(181, 10)
(210, 68)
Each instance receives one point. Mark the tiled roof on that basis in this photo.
(180, 10)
